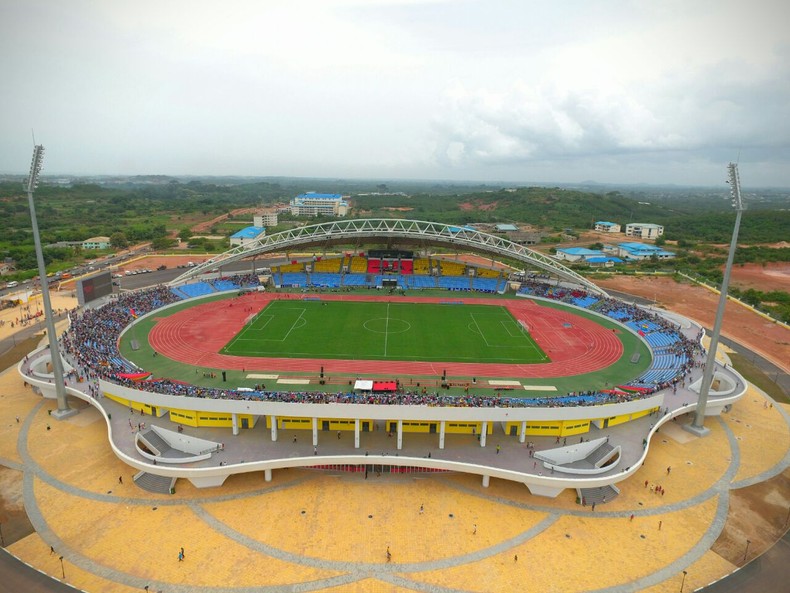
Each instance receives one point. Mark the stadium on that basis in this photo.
(384, 357)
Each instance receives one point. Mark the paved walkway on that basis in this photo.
(313, 531)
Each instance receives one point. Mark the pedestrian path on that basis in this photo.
(312, 531)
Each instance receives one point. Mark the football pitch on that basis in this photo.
(386, 331)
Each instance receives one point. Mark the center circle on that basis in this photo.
(385, 325)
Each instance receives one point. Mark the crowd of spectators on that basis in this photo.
(92, 342)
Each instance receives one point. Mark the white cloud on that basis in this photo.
(464, 89)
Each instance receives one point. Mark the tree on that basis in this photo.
(660, 241)
(162, 243)
(185, 233)
(118, 240)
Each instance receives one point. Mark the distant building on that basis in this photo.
(96, 243)
(593, 257)
(246, 235)
(643, 230)
(506, 228)
(524, 237)
(577, 253)
(265, 219)
(607, 227)
(638, 251)
(315, 204)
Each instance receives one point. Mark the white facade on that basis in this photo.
(607, 227)
(96, 243)
(315, 204)
(266, 219)
(643, 230)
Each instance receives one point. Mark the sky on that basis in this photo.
(617, 91)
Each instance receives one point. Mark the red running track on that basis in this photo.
(574, 344)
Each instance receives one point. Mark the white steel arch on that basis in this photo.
(369, 229)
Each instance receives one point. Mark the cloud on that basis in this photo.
(697, 112)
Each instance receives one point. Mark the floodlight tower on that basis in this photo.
(57, 364)
(697, 426)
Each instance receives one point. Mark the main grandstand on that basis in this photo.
(157, 352)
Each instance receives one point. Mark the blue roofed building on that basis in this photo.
(593, 257)
(246, 235)
(577, 253)
(639, 251)
(603, 226)
(315, 204)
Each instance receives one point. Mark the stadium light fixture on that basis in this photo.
(697, 426)
(57, 363)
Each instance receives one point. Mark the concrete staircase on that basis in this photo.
(598, 496)
(155, 441)
(154, 483)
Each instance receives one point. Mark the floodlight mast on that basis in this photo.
(697, 426)
(57, 363)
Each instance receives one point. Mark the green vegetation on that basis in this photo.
(752, 373)
(776, 302)
(386, 331)
(621, 371)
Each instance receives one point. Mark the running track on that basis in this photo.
(196, 335)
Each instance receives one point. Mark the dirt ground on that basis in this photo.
(758, 514)
(764, 277)
(770, 339)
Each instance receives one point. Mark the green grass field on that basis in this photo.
(386, 331)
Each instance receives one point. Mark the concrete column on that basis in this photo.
(267, 475)
(486, 479)
(274, 428)
(441, 434)
(315, 432)
(356, 433)
(483, 434)
(522, 435)
(234, 418)
(400, 435)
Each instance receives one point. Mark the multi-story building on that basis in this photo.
(607, 227)
(265, 219)
(315, 204)
(643, 230)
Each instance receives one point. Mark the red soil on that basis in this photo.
(770, 339)
(574, 344)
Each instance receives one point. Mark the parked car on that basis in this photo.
(162, 267)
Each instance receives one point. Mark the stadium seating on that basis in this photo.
(359, 265)
(485, 284)
(196, 289)
(421, 282)
(294, 280)
(421, 266)
(354, 280)
(451, 268)
(454, 282)
(327, 265)
(486, 273)
(222, 285)
(325, 280)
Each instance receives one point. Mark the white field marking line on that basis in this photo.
(247, 328)
(293, 325)
(480, 331)
(531, 343)
(386, 330)
(534, 342)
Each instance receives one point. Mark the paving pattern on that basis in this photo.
(312, 531)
